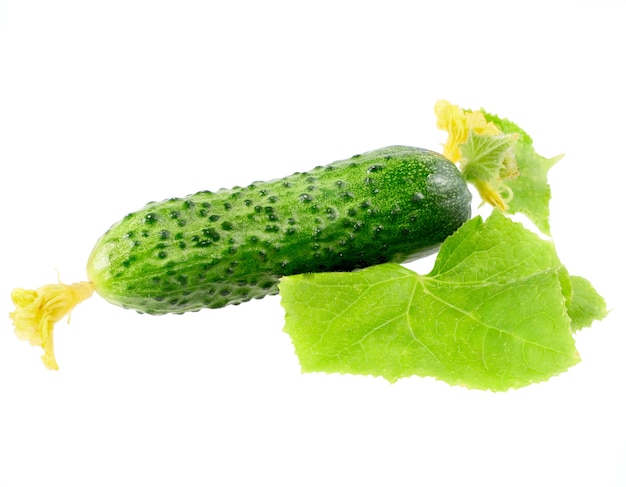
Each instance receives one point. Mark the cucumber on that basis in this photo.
(212, 249)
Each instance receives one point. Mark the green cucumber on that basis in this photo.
(211, 249)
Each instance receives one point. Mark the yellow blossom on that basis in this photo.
(458, 123)
(37, 311)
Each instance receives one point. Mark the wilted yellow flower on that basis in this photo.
(37, 311)
(458, 123)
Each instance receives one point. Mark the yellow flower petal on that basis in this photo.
(37, 311)
(490, 195)
(476, 121)
(458, 124)
(451, 119)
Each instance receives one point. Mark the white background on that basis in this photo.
(106, 105)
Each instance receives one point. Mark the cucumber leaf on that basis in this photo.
(586, 305)
(492, 314)
(529, 189)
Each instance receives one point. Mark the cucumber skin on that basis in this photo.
(211, 249)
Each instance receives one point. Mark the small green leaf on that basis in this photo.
(490, 315)
(483, 156)
(529, 188)
(586, 305)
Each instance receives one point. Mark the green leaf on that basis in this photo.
(483, 156)
(490, 315)
(531, 191)
(586, 305)
(529, 188)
